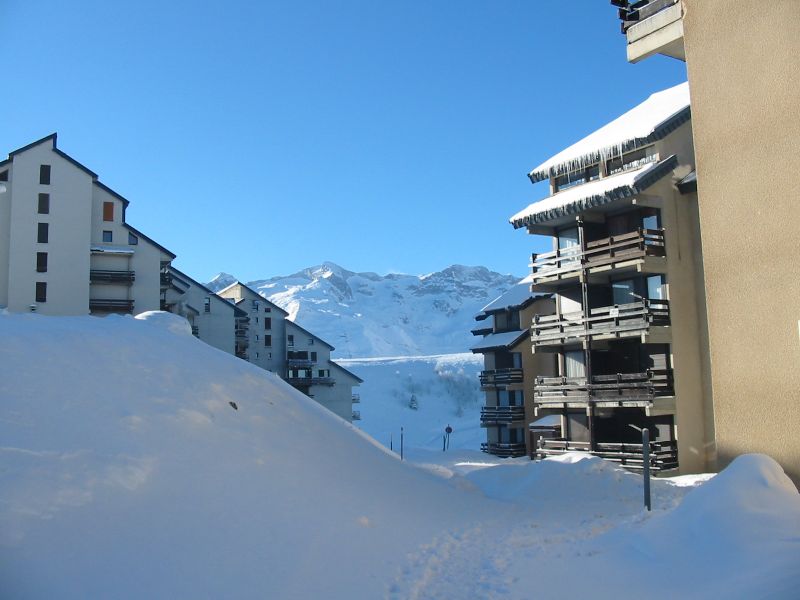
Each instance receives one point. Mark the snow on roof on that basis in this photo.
(499, 340)
(515, 296)
(651, 120)
(547, 421)
(595, 193)
(99, 249)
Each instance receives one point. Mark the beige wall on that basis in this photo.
(744, 73)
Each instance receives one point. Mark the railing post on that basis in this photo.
(646, 470)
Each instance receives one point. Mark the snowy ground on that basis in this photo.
(447, 393)
(125, 472)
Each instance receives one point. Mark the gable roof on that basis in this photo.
(595, 193)
(116, 195)
(652, 120)
(138, 233)
(306, 331)
(255, 293)
(183, 275)
(53, 138)
(340, 367)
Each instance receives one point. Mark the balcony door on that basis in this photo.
(568, 246)
(575, 364)
(624, 292)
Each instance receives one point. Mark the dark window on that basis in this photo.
(290, 340)
(41, 262)
(44, 204)
(574, 178)
(44, 174)
(207, 304)
(310, 341)
(322, 372)
(132, 239)
(108, 211)
(4, 175)
(268, 342)
(41, 291)
(267, 323)
(108, 236)
(267, 309)
(314, 356)
(43, 233)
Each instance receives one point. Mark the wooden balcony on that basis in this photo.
(501, 415)
(621, 389)
(609, 253)
(356, 399)
(356, 415)
(111, 276)
(299, 363)
(663, 454)
(607, 322)
(306, 381)
(108, 305)
(504, 450)
(500, 377)
(166, 279)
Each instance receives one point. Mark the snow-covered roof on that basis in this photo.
(595, 193)
(516, 295)
(499, 340)
(651, 120)
(100, 249)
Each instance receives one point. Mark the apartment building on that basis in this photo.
(65, 247)
(510, 368)
(626, 274)
(309, 368)
(741, 59)
(267, 327)
(214, 319)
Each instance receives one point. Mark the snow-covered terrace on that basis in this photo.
(593, 194)
(644, 124)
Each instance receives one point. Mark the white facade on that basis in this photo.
(65, 248)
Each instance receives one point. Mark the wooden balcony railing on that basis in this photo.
(637, 12)
(621, 388)
(569, 262)
(109, 276)
(504, 450)
(356, 415)
(356, 399)
(306, 381)
(501, 415)
(620, 320)
(299, 363)
(663, 454)
(107, 305)
(497, 377)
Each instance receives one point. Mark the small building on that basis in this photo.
(628, 332)
(510, 367)
(65, 246)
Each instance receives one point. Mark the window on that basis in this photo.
(267, 309)
(310, 341)
(322, 372)
(256, 320)
(656, 287)
(4, 175)
(108, 236)
(290, 340)
(108, 211)
(314, 356)
(631, 160)
(564, 182)
(269, 355)
(207, 304)
(44, 174)
(43, 233)
(256, 354)
(41, 291)
(132, 240)
(41, 262)
(268, 341)
(256, 337)
(267, 322)
(44, 204)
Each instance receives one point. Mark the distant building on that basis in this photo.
(741, 58)
(626, 273)
(65, 248)
(510, 368)
(294, 353)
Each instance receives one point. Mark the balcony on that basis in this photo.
(356, 398)
(242, 354)
(504, 450)
(607, 322)
(306, 381)
(615, 252)
(663, 454)
(501, 415)
(109, 276)
(356, 415)
(621, 389)
(653, 27)
(107, 305)
(166, 279)
(500, 377)
(195, 331)
(240, 334)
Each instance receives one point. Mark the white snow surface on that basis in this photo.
(598, 187)
(637, 123)
(125, 472)
(371, 315)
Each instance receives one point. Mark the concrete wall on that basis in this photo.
(69, 222)
(5, 233)
(745, 77)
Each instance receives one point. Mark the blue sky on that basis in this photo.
(259, 138)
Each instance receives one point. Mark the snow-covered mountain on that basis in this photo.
(370, 315)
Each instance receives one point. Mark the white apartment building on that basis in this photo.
(267, 329)
(214, 320)
(65, 248)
